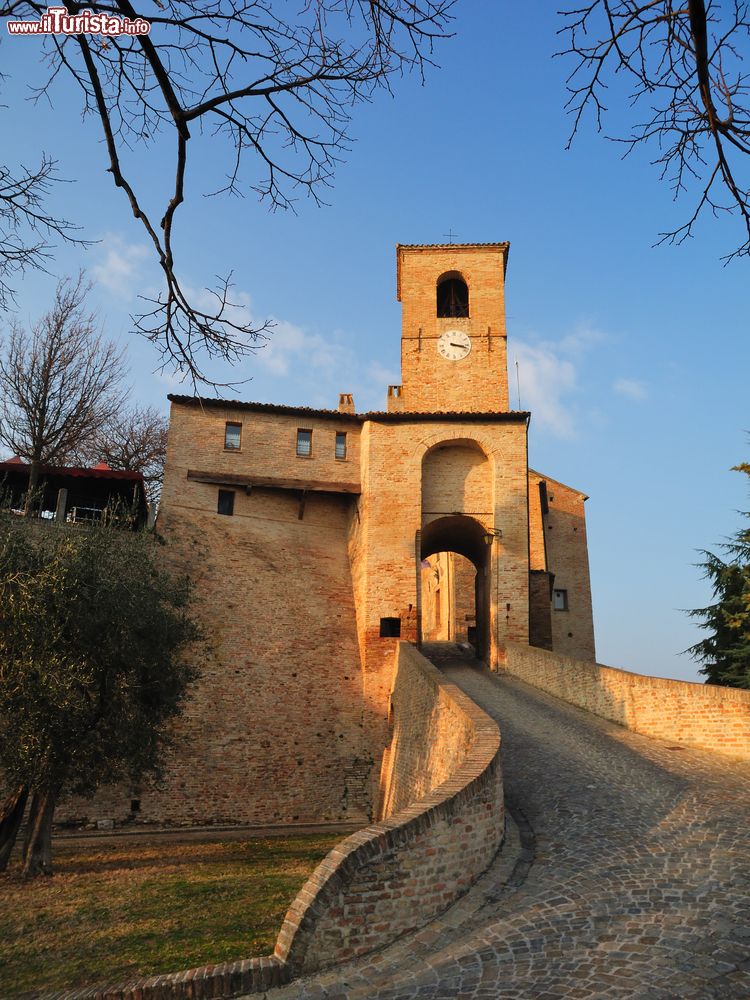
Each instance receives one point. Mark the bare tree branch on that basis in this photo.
(28, 231)
(277, 92)
(685, 62)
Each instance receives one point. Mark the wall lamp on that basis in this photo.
(492, 534)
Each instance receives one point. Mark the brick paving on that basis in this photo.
(627, 875)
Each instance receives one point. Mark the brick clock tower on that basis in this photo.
(453, 337)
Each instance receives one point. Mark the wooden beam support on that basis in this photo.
(302, 501)
(273, 482)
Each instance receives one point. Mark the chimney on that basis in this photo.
(346, 402)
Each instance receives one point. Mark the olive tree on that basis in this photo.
(93, 634)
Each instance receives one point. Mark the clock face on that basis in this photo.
(453, 345)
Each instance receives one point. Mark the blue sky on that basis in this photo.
(634, 360)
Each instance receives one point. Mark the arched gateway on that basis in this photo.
(457, 519)
(461, 535)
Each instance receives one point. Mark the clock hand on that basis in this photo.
(456, 345)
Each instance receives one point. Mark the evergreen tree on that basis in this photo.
(725, 652)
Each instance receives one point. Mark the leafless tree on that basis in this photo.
(134, 440)
(28, 231)
(59, 383)
(279, 87)
(683, 63)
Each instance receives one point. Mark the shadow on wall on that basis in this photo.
(696, 715)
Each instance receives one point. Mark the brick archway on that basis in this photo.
(465, 536)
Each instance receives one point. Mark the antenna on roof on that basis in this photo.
(518, 385)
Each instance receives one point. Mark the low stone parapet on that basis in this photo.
(399, 873)
(698, 715)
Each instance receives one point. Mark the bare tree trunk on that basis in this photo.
(31, 492)
(37, 848)
(11, 814)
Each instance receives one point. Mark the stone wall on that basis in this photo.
(399, 873)
(699, 715)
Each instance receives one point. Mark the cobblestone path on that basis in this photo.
(633, 881)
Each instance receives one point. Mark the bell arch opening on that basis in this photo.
(456, 601)
(452, 295)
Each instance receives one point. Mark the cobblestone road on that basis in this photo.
(633, 881)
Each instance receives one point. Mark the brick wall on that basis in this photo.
(430, 382)
(464, 589)
(276, 728)
(540, 609)
(399, 873)
(699, 715)
(432, 734)
(437, 598)
(457, 477)
(392, 510)
(557, 543)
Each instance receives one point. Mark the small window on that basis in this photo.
(340, 444)
(226, 502)
(560, 600)
(232, 436)
(304, 443)
(390, 628)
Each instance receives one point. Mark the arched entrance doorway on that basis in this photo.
(465, 536)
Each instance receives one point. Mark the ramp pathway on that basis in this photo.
(632, 882)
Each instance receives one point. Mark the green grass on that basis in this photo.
(112, 912)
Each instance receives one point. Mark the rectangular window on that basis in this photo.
(226, 502)
(232, 436)
(560, 600)
(340, 444)
(304, 443)
(390, 628)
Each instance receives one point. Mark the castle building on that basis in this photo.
(318, 538)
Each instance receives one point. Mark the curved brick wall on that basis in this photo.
(399, 873)
(698, 715)
(387, 878)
